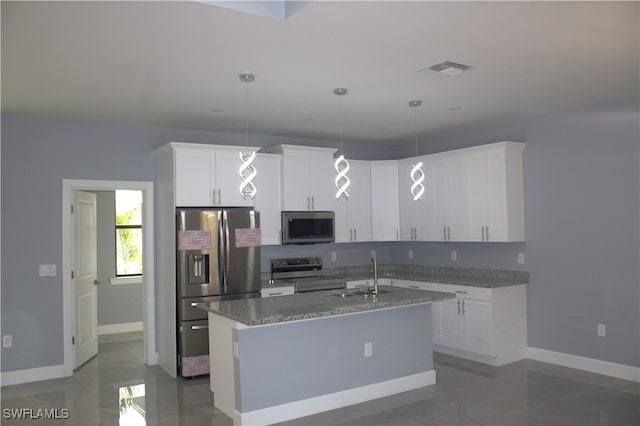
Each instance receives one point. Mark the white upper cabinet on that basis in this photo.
(268, 200)
(471, 194)
(385, 202)
(416, 216)
(307, 177)
(208, 175)
(496, 195)
(450, 197)
(353, 215)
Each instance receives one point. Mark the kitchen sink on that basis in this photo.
(358, 292)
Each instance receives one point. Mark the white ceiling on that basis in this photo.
(176, 64)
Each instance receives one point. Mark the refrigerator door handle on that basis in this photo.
(227, 248)
(221, 253)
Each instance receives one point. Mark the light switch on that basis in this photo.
(47, 270)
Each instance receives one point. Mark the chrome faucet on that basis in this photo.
(374, 269)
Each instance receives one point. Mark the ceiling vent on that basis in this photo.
(447, 69)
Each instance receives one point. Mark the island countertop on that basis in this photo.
(271, 310)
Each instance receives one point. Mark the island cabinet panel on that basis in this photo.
(483, 324)
(324, 359)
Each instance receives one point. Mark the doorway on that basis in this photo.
(70, 187)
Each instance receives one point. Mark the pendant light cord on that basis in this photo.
(341, 127)
(247, 112)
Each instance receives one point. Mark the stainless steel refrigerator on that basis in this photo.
(218, 258)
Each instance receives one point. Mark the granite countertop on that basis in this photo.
(271, 310)
(488, 278)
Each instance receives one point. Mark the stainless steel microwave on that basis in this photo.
(308, 227)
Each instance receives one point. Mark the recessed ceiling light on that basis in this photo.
(446, 68)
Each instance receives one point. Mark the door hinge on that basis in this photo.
(73, 340)
(72, 275)
(71, 208)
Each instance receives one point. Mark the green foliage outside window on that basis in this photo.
(128, 233)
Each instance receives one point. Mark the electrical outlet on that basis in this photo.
(454, 255)
(521, 258)
(602, 330)
(368, 349)
(334, 256)
(7, 341)
(410, 253)
(47, 270)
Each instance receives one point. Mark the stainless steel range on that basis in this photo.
(305, 273)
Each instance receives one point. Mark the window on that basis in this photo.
(128, 233)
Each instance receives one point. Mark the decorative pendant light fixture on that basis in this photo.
(417, 175)
(341, 165)
(247, 169)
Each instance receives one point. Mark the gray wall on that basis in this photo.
(581, 206)
(581, 178)
(121, 303)
(37, 154)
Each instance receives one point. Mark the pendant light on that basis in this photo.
(341, 164)
(417, 175)
(247, 169)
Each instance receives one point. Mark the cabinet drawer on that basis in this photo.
(277, 291)
(467, 292)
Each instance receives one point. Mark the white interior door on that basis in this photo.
(85, 274)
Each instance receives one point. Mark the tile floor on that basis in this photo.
(107, 391)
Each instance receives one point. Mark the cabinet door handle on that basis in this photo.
(460, 291)
(308, 203)
(448, 234)
(219, 197)
(487, 228)
(313, 203)
(463, 307)
(482, 233)
(458, 307)
(213, 197)
(350, 234)
(397, 234)
(355, 234)
(414, 286)
(275, 294)
(199, 327)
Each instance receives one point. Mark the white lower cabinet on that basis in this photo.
(277, 291)
(482, 324)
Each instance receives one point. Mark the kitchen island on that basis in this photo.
(280, 358)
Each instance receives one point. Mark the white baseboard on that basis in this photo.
(125, 327)
(332, 401)
(33, 375)
(607, 368)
